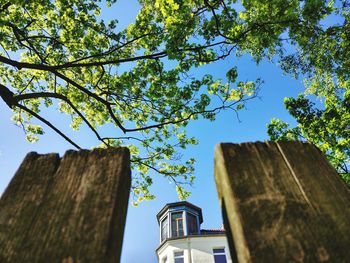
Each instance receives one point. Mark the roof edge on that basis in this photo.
(181, 203)
(188, 237)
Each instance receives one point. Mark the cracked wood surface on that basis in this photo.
(66, 210)
(282, 202)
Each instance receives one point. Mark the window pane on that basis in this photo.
(178, 254)
(218, 250)
(164, 225)
(192, 224)
(220, 258)
(219, 255)
(179, 257)
(177, 225)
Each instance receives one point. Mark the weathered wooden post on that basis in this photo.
(282, 202)
(66, 210)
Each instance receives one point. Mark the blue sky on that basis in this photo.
(141, 232)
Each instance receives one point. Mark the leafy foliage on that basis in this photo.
(327, 128)
(323, 60)
(63, 53)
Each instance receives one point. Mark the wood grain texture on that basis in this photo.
(282, 202)
(66, 210)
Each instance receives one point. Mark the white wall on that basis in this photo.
(197, 249)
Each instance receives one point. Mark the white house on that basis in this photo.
(182, 240)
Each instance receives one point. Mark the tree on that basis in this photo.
(323, 62)
(62, 53)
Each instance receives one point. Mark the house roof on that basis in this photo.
(182, 203)
(212, 231)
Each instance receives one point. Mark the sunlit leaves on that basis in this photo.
(232, 74)
(32, 131)
(140, 79)
(327, 128)
(322, 59)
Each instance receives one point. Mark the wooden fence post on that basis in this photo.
(66, 210)
(282, 202)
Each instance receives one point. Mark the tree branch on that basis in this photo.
(63, 98)
(51, 68)
(7, 96)
(13, 101)
(48, 124)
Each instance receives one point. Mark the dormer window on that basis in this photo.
(179, 219)
(177, 224)
(164, 228)
(192, 225)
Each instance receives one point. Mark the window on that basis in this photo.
(192, 224)
(179, 257)
(164, 260)
(177, 224)
(164, 229)
(219, 255)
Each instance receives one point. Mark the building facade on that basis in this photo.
(183, 241)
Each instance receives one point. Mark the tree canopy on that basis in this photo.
(323, 62)
(62, 53)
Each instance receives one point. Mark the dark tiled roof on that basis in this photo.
(212, 231)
